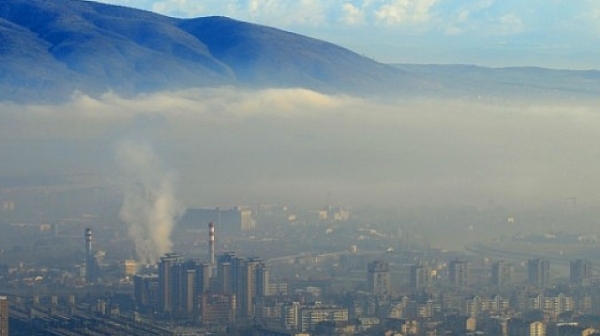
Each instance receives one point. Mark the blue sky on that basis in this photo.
(549, 33)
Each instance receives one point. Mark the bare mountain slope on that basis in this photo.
(50, 48)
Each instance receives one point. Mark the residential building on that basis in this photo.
(420, 277)
(502, 273)
(539, 272)
(378, 278)
(580, 271)
(459, 273)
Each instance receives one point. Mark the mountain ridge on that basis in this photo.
(96, 47)
(50, 49)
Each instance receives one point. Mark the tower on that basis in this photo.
(90, 262)
(378, 278)
(538, 271)
(211, 243)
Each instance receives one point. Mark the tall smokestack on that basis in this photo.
(89, 256)
(211, 243)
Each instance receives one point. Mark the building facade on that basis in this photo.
(502, 273)
(538, 271)
(580, 271)
(458, 271)
(378, 278)
(246, 278)
(180, 285)
(420, 277)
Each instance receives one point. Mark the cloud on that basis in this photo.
(279, 13)
(283, 13)
(405, 11)
(485, 18)
(352, 14)
(510, 24)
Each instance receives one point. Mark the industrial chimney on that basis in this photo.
(89, 257)
(211, 243)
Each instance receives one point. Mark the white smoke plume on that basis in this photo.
(149, 206)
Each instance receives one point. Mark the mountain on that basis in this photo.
(506, 83)
(51, 48)
(48, 49)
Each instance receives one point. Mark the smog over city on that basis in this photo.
(419, 167)
(295, 145)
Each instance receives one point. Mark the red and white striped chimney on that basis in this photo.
(211, 242)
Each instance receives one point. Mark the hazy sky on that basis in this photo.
(238, 146)
(549, 33)
(294, 146)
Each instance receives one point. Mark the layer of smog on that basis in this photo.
(294, 145)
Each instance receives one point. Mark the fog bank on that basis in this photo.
(231, 146)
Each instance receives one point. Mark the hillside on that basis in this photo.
(50, 48)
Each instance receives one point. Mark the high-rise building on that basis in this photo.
(539, 272)
(378, 278)
(204, 274)
(146, 292)
(3, 316)
(264, 287)
(180, 284)
(580, 271)
(246, 278)
(502, 273)
(168, 275)
(227, 277)
(459, 273)
(420, 277)
(290, 315)
(247, 287)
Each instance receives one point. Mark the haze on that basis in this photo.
(230, 146)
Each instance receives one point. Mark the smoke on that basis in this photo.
(149, 206)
